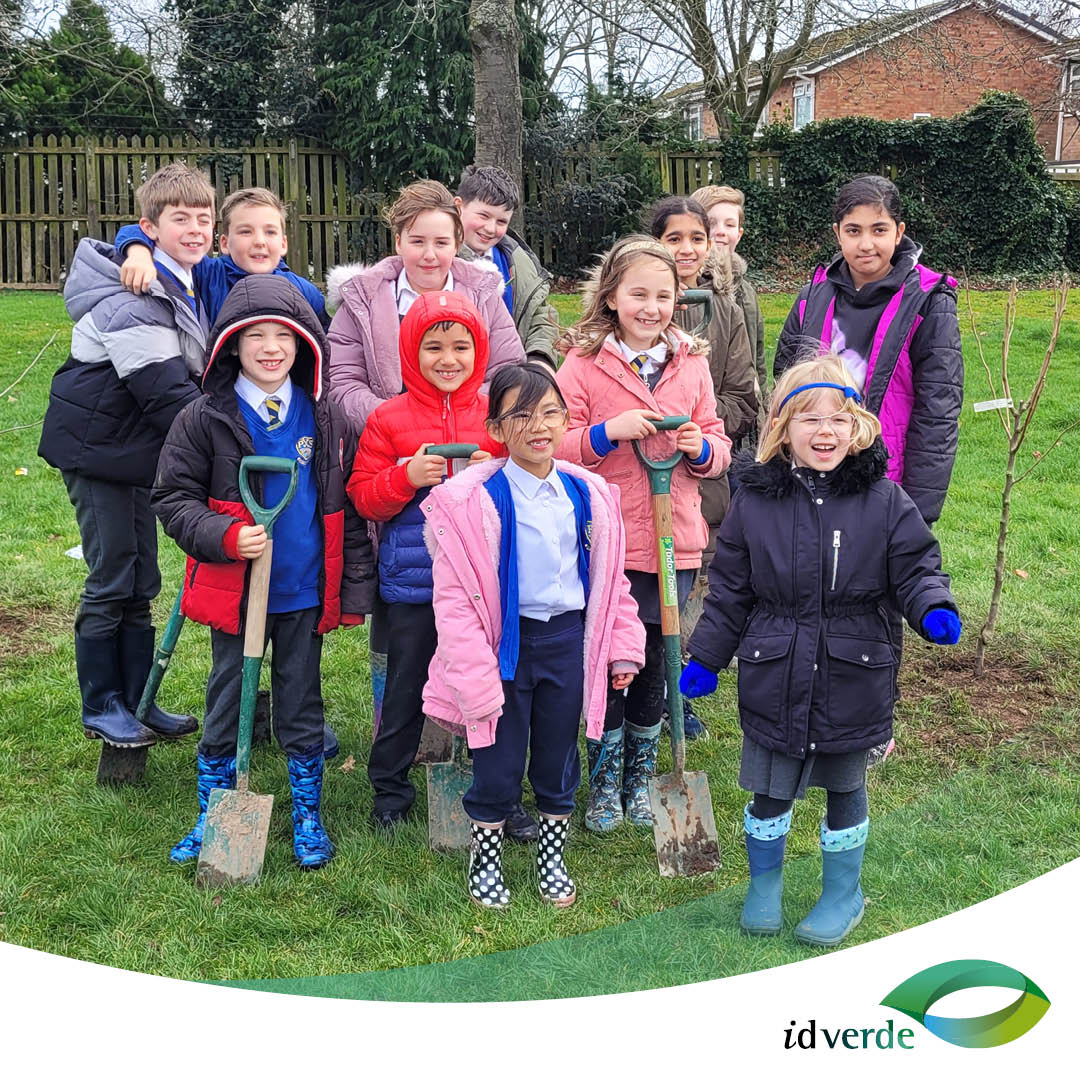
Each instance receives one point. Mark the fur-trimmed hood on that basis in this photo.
(337, 276)
(738, 267)
(717, 272)
(775, 478)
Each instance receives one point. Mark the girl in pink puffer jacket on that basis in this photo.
(534, 615)
(625, 366)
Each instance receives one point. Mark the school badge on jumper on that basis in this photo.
(588, 535)
(305, 447)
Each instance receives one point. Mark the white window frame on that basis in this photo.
(803, 90)
(1072, 78)
(694, 116)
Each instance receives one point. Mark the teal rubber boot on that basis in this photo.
(604, 812)
(642, 744)
(766, 839)
(840, 908)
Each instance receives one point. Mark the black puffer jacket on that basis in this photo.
(806, 566)
(197, 492)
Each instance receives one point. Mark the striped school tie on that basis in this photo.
(638, 363)
(273, 407)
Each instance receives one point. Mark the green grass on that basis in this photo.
(981, 796)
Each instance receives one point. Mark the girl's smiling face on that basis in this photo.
(427, 247)
(531, 438)
(688, 241)
(819, 431)
(868, 239)
(643, 302)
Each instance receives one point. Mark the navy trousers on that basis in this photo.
(541, 716)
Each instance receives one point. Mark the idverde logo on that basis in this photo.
(915, 995)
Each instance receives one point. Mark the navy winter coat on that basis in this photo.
(807, 566)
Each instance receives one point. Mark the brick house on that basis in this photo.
(931, 62)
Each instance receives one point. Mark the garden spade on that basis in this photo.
(447, 782)
(703, 297)
(684, 827)
(238, 821)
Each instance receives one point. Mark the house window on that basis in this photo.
(695, 122)
(1074, 76)
(804, 104)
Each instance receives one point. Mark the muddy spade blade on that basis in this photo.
(436, 744)
(447, 782)
(684, 827)
(234, 839)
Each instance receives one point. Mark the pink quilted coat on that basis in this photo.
(464, 691)
(600, 387)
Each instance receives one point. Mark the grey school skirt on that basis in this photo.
(781, 776)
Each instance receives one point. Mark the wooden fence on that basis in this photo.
(55, 191)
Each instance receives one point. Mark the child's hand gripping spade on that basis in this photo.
(450, 777)
(237, 822)
(684, 826)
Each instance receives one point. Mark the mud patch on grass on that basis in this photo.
(26, 631)
(952, 710)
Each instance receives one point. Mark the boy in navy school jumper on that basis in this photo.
(264, 382)
(253, 241)
(131, 370)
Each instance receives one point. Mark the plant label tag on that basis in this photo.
(997, 403)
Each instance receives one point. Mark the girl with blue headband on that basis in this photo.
(817, 547)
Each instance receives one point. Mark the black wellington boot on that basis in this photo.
(136, 657)
(104, 714)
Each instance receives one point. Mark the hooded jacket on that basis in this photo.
(536, 321)
(464, 689)
(746, 298)
(732, 369)
(379, 486)
(132, 368)
(365, 366)
(601, 386)
(807, 567)
(217, 274)
(197, 493)
(905, 328)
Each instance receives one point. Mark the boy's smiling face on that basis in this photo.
(267, 353)
(483, 223)
(447, 356)
(256, 239)
(184, 233)
(724, 227)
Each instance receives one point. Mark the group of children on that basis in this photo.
(515, 591)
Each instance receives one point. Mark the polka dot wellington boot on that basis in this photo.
(556, 885)
(484, 876)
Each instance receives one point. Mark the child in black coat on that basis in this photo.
(817, 547)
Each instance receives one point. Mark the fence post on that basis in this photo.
(93, 208)
(664, 161)
(292, 199)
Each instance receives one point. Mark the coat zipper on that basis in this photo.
(835, 557)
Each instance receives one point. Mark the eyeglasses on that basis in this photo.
(553, 414)
(839, 421)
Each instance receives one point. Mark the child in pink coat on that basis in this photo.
(627, 365)
(534, 614)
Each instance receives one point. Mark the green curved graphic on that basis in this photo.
(915, 995)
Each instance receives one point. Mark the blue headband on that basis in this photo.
(847, 391)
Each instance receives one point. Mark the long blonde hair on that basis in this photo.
(828, 368)
(597, 319)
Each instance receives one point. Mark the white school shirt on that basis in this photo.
(174, 267)
(256, 398)
(547, 545)
(407, 295)
(657, 356)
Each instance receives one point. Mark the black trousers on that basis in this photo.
(642, 703)
(541, 717)
(119, 541)
(410, 644)
(295, 686)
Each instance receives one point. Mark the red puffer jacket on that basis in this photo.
(197, 492)
(379, 486)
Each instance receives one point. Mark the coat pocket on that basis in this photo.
(861, 681)
(764, 663)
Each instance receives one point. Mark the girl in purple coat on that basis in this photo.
(816, 549)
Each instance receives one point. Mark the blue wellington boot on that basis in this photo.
(840, 908)
(214, 772)
(101, 684)
(766, 839)
(604, 812)
(642, 744)
(136, 659)
(311, 845)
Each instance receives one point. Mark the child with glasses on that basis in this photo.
(816, 549)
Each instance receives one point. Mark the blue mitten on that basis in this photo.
(697, 680)
(942, 626)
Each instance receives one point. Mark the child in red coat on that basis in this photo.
(443, 345)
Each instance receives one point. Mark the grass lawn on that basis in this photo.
(982, 795)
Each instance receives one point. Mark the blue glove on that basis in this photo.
(697, 680)
(942, 626)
